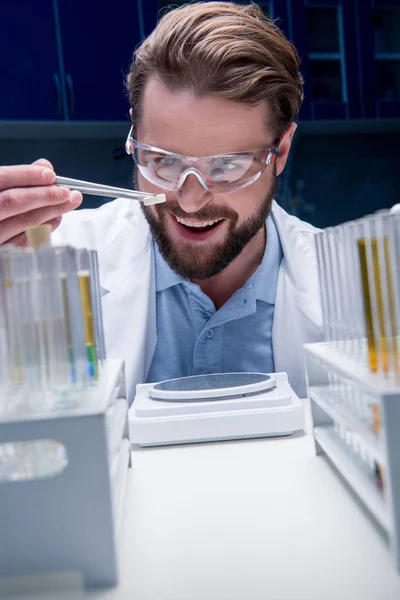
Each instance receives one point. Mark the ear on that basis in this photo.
(130, 113)
(284, 147)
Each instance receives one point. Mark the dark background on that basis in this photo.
(62, 69)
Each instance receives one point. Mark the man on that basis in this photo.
(219, 278)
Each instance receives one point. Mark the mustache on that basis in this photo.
(204, 214)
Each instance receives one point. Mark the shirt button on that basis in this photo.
(210, 333)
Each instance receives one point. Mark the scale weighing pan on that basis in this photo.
(211, 387)
(216, 407)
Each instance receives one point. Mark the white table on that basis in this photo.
(250, 520)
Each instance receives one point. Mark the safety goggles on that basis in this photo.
(221, 173)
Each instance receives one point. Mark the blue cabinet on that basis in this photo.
(322, 33)
(98, 40)
(350, 52)
(30, 81)
(386, 55)
(66, 59)
(351, 57)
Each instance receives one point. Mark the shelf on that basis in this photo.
(324, 56)
(340, 415)
(351, 469)
(49, 130)
(387, 55)
(347, 127)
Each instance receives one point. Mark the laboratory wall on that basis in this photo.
(62, 70)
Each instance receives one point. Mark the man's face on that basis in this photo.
(186, 124)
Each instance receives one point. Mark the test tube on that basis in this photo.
(96, 304)
(354, 283)
(73, 315)
(385, 254)
(346, 285)
(336, 306)
(327, 278)
(52, 325)
(50, 319)
(4, 366)
(83, 265)
(62, 270)
(378, 296)
(23, 309)
(13, 332)
(8, 342)
(368, 257)
(323, 283)
(392, 223)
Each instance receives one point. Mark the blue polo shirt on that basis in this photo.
(194, 338)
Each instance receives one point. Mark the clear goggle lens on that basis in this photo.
(221, 173)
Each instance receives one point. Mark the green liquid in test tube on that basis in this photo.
(84, 284)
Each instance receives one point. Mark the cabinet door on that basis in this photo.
(98, 41)
(323, 32)
(29, 74)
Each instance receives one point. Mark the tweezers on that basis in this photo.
(96, 189)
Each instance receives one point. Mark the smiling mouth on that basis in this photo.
(197, 225)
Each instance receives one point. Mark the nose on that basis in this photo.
(192, 196)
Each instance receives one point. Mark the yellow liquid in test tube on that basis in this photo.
(378, 346)
(84, 284)
(15, 350)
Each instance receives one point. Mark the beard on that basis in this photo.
(194, 261)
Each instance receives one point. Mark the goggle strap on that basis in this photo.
(272, 155)
(129, 144)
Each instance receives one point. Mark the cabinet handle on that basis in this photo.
(70, 85)
(56, 79)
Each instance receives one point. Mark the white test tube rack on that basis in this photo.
(332, 376)
(70, 521)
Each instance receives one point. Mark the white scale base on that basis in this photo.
(273, 412)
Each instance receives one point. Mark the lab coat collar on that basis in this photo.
(297, 314)
(117, 266)
(298, 246)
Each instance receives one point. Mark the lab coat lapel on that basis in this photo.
(297, 314)
(129, 314)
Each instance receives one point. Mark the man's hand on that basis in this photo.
(28, 198)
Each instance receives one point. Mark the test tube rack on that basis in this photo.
(66, 516)
(353, 377)
(340, 392)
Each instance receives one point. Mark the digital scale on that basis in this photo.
(222, 406)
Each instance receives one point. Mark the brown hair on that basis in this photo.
(221, 49)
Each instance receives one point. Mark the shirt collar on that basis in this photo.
(165, 276)
(263, 280)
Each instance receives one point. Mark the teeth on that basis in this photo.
(193, 223)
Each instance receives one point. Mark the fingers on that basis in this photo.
(17, 176)
(15, 225)
(43, 162)
(21, 239)
(19, 200)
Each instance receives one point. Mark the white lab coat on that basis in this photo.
(121, 235)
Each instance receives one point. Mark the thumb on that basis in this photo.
(43, 162)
